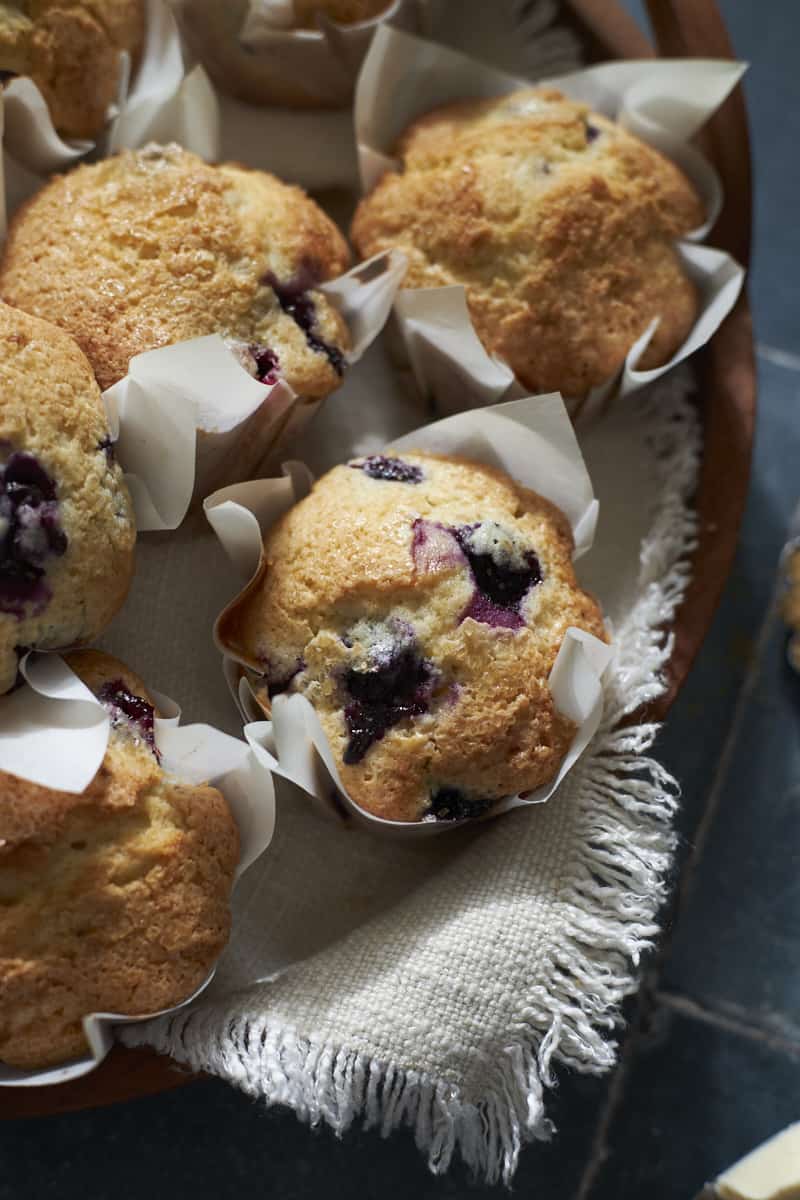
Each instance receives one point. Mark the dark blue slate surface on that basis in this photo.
(698, 1097)
(701, 1085)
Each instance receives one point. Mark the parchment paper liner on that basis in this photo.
(281, 64)
(533, 441)
(164, 103)
(54, 732)
(664, 102)
(188, 418)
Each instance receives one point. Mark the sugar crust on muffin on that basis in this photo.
(114, 900)
(155, 246)
(67, 530)
(419, 603)
(560, 225)
(71, 51)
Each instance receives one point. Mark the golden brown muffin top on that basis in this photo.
(419, 602)
(114, 900)
(559, 224)
(155, 246)
(71, 52)
(67, 530)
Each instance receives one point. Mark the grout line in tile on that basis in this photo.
(721, 1020)
(780, 358)
(598, 1152)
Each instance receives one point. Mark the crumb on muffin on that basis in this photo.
(419, 602)
(115, 900)
(559, 224)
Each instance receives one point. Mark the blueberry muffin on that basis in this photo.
(71, 51)
(419, 604)
(559, 224)
(264, 76)
(115, 900)
(67, 529)
(155, 246)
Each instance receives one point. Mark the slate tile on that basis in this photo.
(698, 1097)
(208, 1140)
(736, 947)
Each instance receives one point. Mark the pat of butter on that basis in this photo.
(770, 1172)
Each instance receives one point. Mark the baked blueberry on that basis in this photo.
(393, 470)
(293, 296)
(30, 533)
(126, 709)
(382, 696)
(267, 364)
(503, 572)
(450, 804)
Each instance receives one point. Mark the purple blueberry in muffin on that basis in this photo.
(393, 470)
(293, 296)
(30, 534)
(127, 710)
(395, 685)
(450, 804)
(503, 570)
(267, 363)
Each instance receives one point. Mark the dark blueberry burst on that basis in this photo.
(266, 362)
(129, 711)
(392, 470)
(392, 691)
(450, 804)
(501, 583)
(30, 533)
(293, 296)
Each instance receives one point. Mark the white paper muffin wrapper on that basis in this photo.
(664, 102)
(163, 103)
(533, 441)
(327, 59)
(188, 418)
(54, 732)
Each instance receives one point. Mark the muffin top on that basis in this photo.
(115, 900)
(155, 246)
(419, 603)
(71, 51)
(67, 529)
(558, 223)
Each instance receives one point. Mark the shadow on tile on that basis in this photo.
(208, 1140)
(697, 1098)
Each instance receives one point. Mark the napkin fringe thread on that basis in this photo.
(623, 850)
